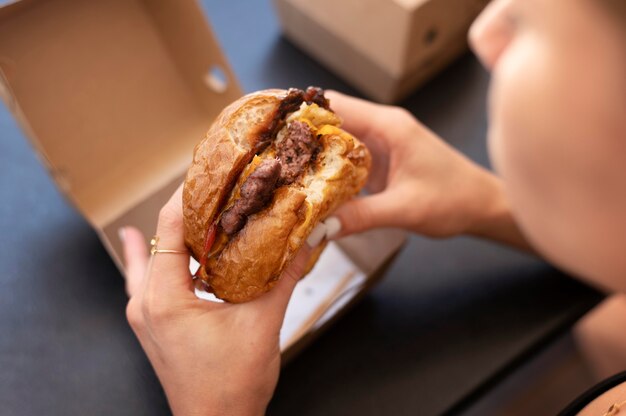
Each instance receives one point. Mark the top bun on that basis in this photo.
(242, 266)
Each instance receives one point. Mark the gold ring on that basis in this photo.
(154, 249)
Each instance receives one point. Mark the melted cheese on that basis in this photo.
(314, 116)
(319, 120)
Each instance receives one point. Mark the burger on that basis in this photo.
(272, 166)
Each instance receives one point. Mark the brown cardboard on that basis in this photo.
(114, 95)
(384, 48)
(373, 252)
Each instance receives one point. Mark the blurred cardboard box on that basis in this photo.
(384, 48)
(114, 95)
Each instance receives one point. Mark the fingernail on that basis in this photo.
(333, 226)
(121, 232)
(317, 235)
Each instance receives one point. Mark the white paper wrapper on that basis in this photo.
(334, 280)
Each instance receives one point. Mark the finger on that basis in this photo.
(277, 299)
(369, 123)
(362, 214)
(357, 114)
(136, 257)
(169, 274)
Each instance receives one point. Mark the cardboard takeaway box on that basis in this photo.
(384, 48)
(114, 95)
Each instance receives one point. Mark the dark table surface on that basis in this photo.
(451, 318)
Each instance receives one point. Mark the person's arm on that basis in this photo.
(211, 358)
(419, 182)
(497, 222)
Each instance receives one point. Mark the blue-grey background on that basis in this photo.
(451, 318)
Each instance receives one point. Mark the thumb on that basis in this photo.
(362, 214)
(277, 299)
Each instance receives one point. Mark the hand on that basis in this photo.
(211, 358)
(418, 182)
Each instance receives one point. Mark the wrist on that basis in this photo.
(213, 405)
(491, 209)
(218, 409)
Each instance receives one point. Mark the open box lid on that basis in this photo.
(114, 96)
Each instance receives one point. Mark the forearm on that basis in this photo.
(217, 395)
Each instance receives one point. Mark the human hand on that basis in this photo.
(211, 358)
(418, 182)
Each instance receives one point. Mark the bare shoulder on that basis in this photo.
(600, 406)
